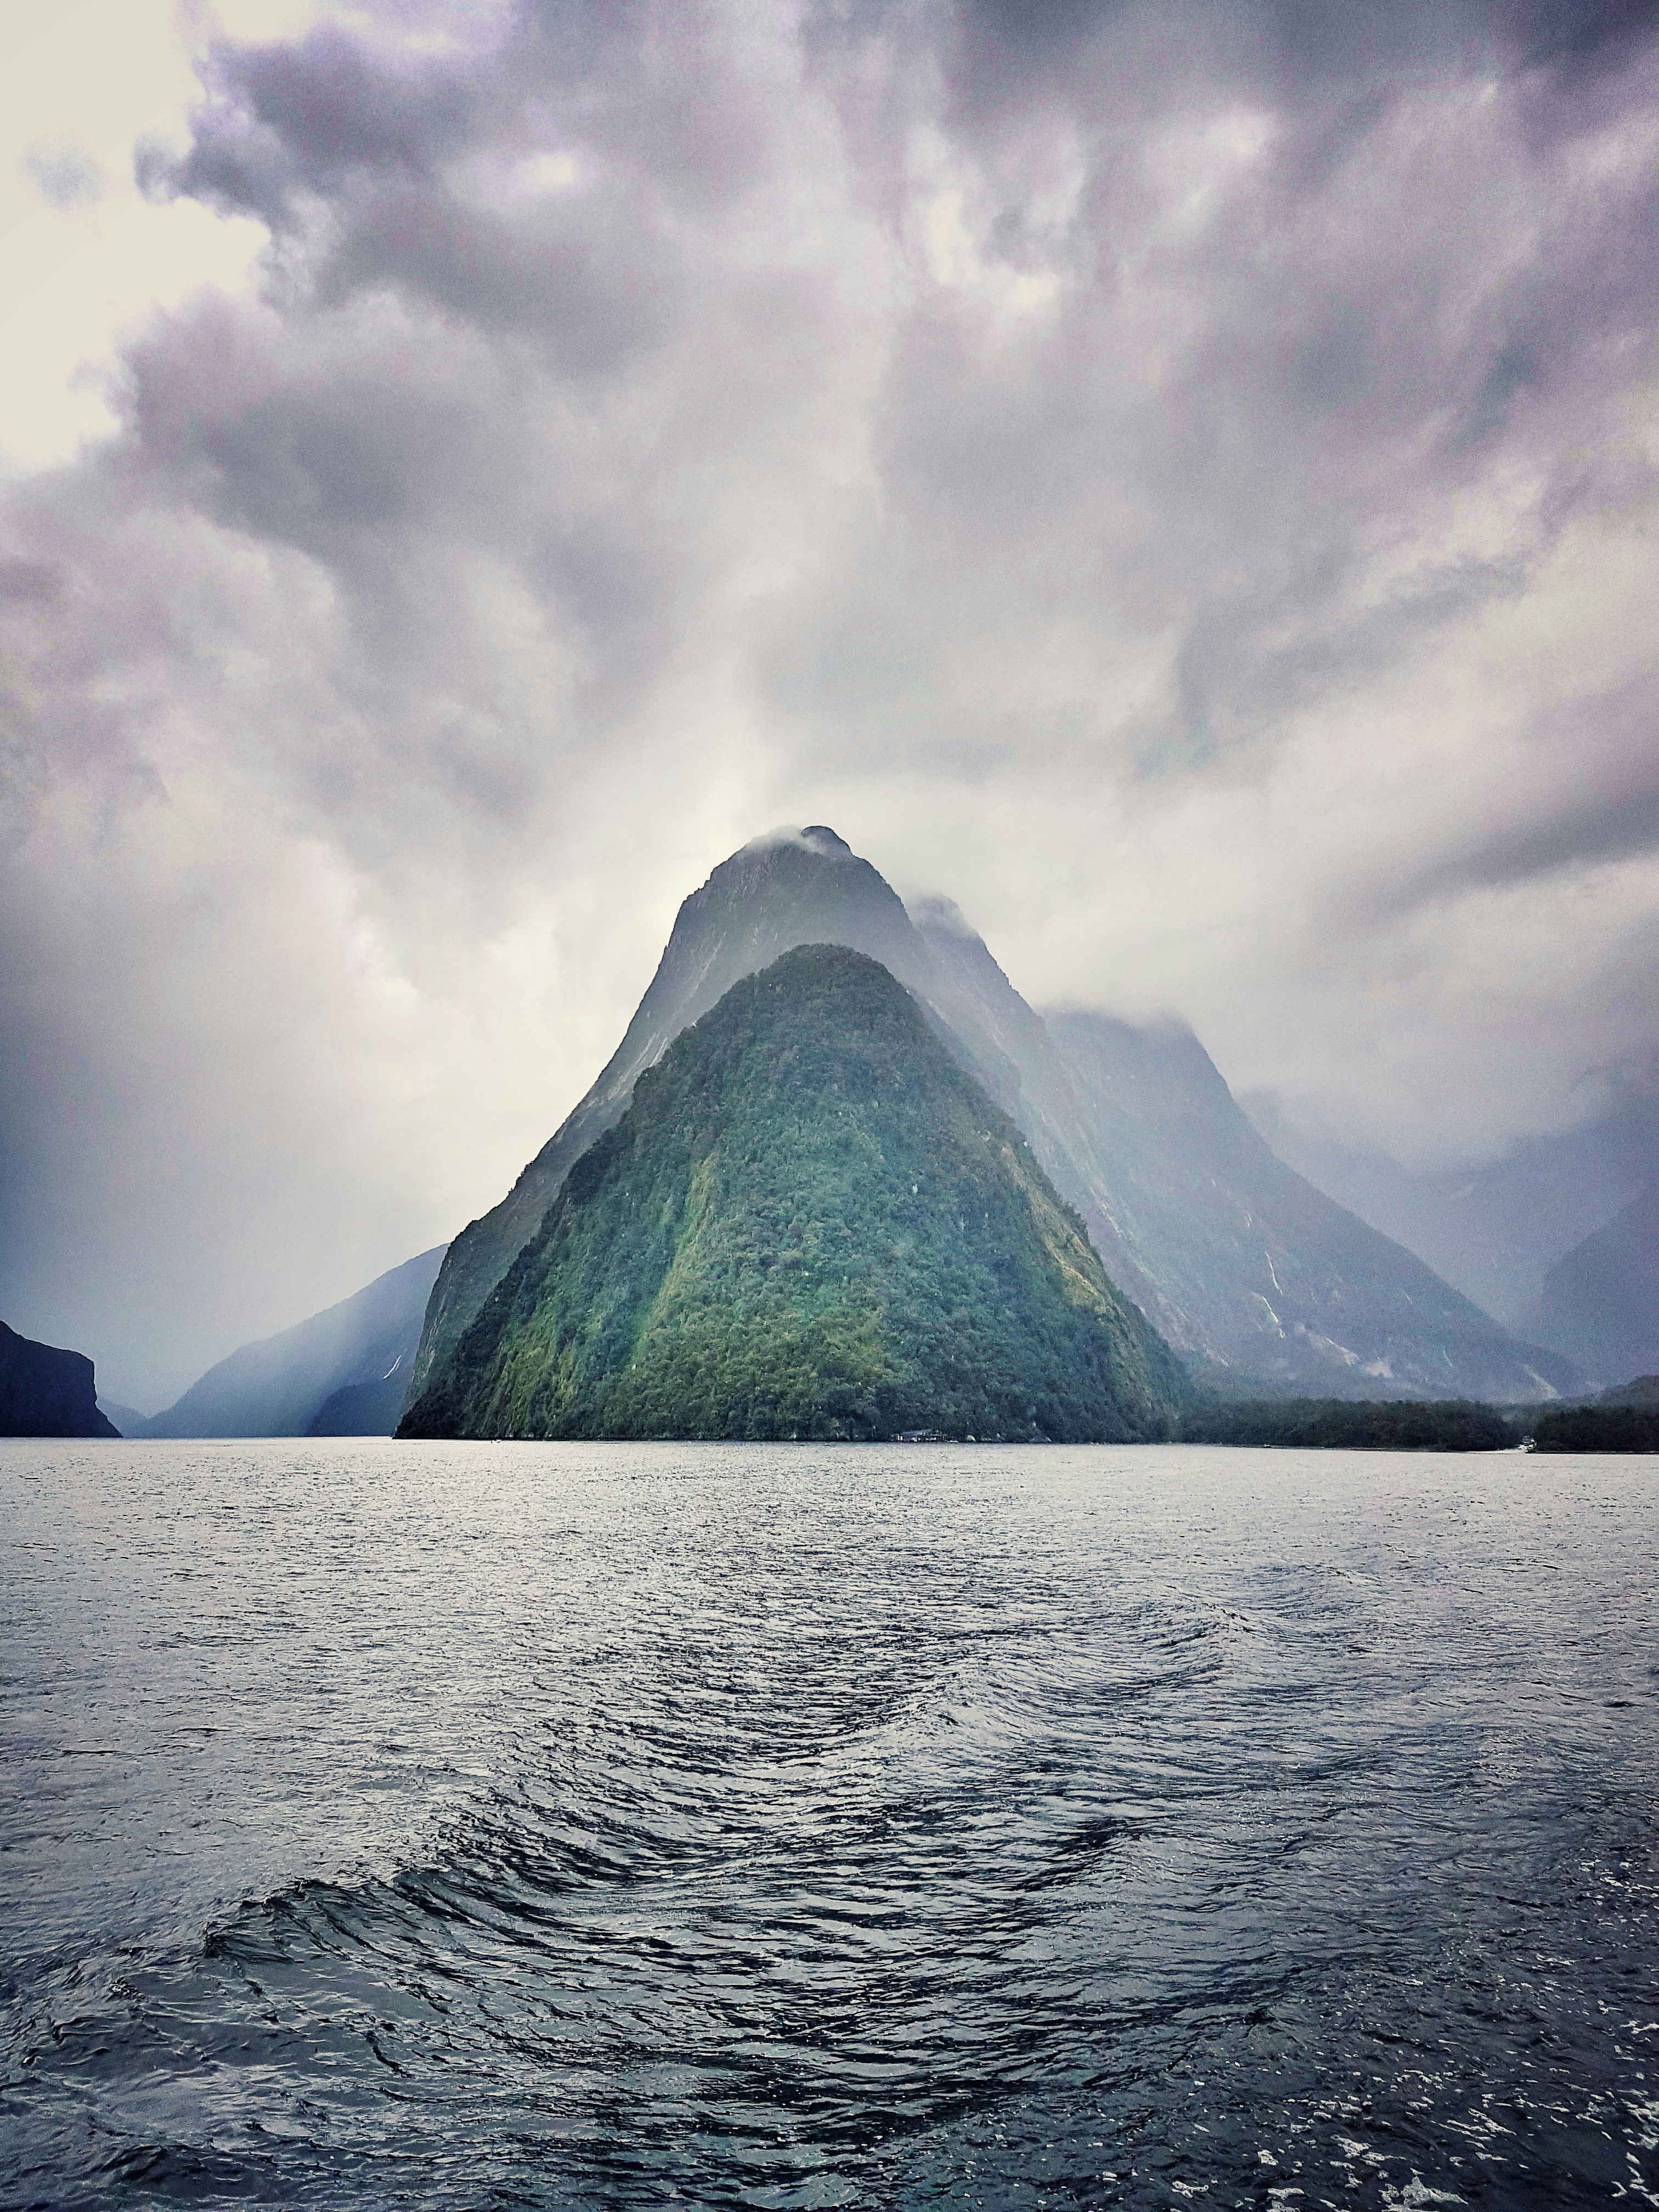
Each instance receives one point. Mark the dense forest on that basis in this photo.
(1455, 1424)
(811, 1223)
(1596, 1429)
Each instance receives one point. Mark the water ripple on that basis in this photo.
(620, 1828)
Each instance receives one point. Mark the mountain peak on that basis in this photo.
(934, 911)
(1241, 1264)
(811, 1222)
(816, 838)
(790, 887)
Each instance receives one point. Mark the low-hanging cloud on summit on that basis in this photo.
(1179, 480)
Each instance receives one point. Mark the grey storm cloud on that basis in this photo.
(1612, 815)
(284, 121)
(1178, 479)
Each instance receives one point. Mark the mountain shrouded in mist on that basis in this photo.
(1600, 1301)
(1496, 1229)
(342, 1372)
(1178, 477)
(1252, 1273)
(809, 1222)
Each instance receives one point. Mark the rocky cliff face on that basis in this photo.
(812, 1222)
(1247, 1268)
(46, 1393)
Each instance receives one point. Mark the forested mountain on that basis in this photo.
(809, 1222)
(800, 887)
(342, 1372)
(44, 1392)
(1254, 1275)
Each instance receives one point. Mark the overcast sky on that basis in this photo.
(1178, 479)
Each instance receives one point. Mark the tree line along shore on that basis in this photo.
(1455, 1424)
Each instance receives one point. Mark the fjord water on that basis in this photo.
(619, 1826)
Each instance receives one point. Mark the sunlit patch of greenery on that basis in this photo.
(812, 1222)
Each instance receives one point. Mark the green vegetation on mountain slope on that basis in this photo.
(811, 1223)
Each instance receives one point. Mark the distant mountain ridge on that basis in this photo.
(1601, 1300)
(340, 1372)
(1245, 1267)
(1494, 1228)
(1245, 1263)
(127, 1420)
(1643, 1390)
(811, 1222)
(1254, 1274)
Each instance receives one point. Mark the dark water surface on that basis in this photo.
(610, 1826)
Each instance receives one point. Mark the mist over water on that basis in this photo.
(622, 1825)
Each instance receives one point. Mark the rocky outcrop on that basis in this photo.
(44, 1392)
